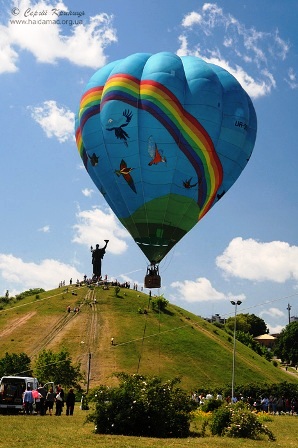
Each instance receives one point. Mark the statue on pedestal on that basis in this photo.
(97, 255)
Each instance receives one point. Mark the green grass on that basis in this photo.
(174, 343)
(52, 432)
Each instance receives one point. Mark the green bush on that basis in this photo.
(237, 420)
(210, 405)
(116, 291)
(159, 303)
(220, 420)
(142, 406)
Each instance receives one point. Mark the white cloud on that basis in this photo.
(281, 47)
(47, 274)
(8, 56)
(252, 53)
(275, 261)
(272, 312)
(275, 329)
(292, 79)
(94, 226)
(81, 44)
(183, 49)
(56, 121)
(191, 19)
(255, 88)
(87, 192)
(44, 229)
(200, 290)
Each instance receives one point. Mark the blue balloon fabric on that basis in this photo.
(163, 138)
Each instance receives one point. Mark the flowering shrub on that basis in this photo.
(142, 406)
(220, 420)
(210, 405)
(238, 421)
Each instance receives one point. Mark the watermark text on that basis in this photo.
(51, 16)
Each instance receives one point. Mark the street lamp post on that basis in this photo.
(88, 375)
(235, 304)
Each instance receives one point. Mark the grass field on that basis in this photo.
(169, 344)
(54, 432)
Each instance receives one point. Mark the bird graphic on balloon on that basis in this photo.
(155, 153)
(117, 126)
(124, 171)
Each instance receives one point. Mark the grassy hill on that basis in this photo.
(173, 343)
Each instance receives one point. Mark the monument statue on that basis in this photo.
(97, 255)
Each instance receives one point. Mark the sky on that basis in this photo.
(245, 248)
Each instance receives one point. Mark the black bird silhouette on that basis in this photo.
(118, 126)
(187, 183)
(220, 195)
(93, 159)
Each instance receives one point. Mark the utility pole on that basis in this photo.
(235, 304)
(289, 311)
(88, 375)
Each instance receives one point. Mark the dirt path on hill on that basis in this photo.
(15, 323)
(99, 330)
(53, 333)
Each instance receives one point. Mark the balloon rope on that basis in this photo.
(143, 338)
(159, 315)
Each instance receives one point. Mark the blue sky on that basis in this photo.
(245, 248)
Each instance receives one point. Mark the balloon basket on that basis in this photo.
(152, 278)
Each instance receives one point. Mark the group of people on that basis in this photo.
(40, 400)
(275, 405)
(272, 404)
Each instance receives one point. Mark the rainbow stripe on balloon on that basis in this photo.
(89, 106)
(187, 132)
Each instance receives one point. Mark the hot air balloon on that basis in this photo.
(163, 138)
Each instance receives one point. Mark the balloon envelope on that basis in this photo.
(163, 138)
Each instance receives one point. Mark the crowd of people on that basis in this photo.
(99, 281)
(270, 405)
(42, 401)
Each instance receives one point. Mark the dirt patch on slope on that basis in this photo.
(15, 323)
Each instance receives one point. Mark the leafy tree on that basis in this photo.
(160, 303)
(13, 364)
(5, 300)
(29, 292)
(257, 325)
(57, 367)
(248, 340)
(286, 347)
(142, 406)
(241, 323)
(247, 323)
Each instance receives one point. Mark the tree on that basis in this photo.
(248, 323)
(13, 364)
(241, 323)
(286, 347)
(248, 340)
(142, 406)
(57, 367)
(257, 325)
(159, 303)
(29, 292)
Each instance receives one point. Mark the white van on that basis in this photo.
(12, 389)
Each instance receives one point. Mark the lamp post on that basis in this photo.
(88, 375)
(235, 304)
(89, 368)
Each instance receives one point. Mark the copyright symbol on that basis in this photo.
(15, 11)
